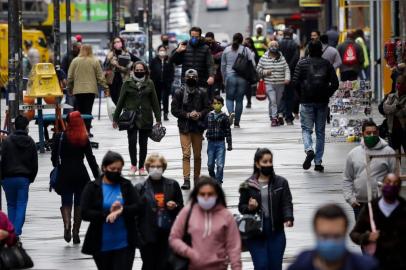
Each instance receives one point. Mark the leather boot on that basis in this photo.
(195, 181)
(77, 220)
(186, 184)
(66, 212)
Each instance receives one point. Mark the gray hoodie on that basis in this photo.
(355, 177)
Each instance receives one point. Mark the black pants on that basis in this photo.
(120, 259)
(132, 145)
(84, 104)
(251, 89)
(349, 75)
(115, 87)
(397, 139)
(155, 256)
(288, 100)
(163, 91)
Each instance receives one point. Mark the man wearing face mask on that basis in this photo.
(164, 200)
(216, 51)
(190, 105)
(195, 54)
(355, 176)
(165, 42)
(67, 59)
(390, 219)
(330, 225)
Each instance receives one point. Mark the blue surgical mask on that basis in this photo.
(331, 250)
(194, 41)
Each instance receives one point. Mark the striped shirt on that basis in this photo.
(279, 69)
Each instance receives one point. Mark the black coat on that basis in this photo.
(391, 244)
(199, 102)
(198, 58)
(73, 174)
(280, 203)
(306, 90)
(162, 73)
(147, 223)
(19, 156)
(290, 51)
(92, 211)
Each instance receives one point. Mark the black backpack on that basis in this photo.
(317, 80)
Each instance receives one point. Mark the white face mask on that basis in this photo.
(162, 53)
(207, 204)
(155, 173)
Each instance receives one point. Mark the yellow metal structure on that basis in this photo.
(35, 36)
(43, 82)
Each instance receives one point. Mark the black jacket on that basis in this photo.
(73, 175)
(290, 51)
(307, 91)
(198, 58)
(391, 244)
(92, 211)
(198, 102)
(162, 73)
(147, 223)
(280, 203)
(19, 156)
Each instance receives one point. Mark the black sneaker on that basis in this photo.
(166, 117)
(248, 106)
(186, 184)
(308, 161)
(319, 168)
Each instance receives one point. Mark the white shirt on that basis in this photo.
(387, 208)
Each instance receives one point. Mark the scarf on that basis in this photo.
(186, 92)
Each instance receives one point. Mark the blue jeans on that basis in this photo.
(70, 198)
(216, 155)
(267, 252)
(16, 190)
(235, 91)
(314, 115)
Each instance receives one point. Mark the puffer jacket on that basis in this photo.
(198, 58)
(280, 203)
(215, 238)
(199, 102)
(395, 107)
(355, 176)
(291, 52)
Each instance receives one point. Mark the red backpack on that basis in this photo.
(350, 55)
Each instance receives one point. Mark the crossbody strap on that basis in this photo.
(59, 149)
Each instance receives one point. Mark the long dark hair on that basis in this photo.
(237, 41)
(122, 42)
(110, 157)
(259, 154)
(206, 180)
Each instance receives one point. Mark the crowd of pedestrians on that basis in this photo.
(202, 232)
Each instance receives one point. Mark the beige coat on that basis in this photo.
(84, 74)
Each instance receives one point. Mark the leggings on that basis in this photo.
(132, 145)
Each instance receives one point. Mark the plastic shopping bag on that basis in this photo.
(111, 108)
(261, 90)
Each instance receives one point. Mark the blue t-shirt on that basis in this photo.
(114, 234)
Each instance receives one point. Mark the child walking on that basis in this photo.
(218, 129)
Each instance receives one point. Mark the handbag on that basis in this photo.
(249, 225)
(54, 175)
(178, 262)
(111, 108)
(244, 68)
(261, 90)
(157, 133)
(126, 120)
(15, 257)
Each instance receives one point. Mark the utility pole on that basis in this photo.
(13, 62)
(19, 64)
(109, 18)
(88, 18)
(68, 31)
(251, 17)
(133, 11)
(57, 37)
(116, 18)
(149, 25)
(165, 16)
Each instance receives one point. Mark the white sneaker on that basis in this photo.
(132, 171)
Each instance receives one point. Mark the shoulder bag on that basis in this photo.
(244, 68)
(249, 225)
(54, 175)
(126, 120)
(178, 262)
(15, 257)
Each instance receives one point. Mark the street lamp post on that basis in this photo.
(149, 24)
(68, 31)
(57, 37)
(116, 17)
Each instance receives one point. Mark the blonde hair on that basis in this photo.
(86, 51)
(154, 157)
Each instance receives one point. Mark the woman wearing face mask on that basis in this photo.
(162, 74)
(276, 73)
(268, 195)
(394, 108)
(118, 65)
(111, 204)
(389, 213)
(163, 201)
(215, 237)
(138, 95)
(251, 89)
(69, 149)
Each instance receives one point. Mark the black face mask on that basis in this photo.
(165, 42)
(113, 176)
(267, 170)
(191, 82)
(139, 75)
